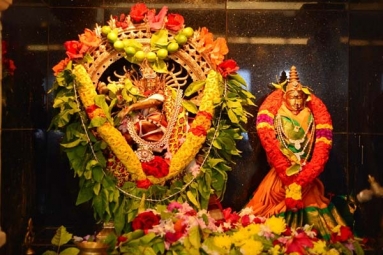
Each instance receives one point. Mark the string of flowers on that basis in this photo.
(322, 146)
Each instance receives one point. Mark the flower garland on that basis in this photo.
(322, 146)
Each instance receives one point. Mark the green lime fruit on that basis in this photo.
(112, 36)
(105, 30)
(187, 31)
(181, 39)
(173, 47)
(151, 56)
(140, 55)
(162, 53)
(130, 51)
(118, 45)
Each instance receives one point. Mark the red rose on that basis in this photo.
(175, 22)
(138, 11)
(143, 184)
(156, 167)
(344, 235)
(145, 221)
(245, 220)
(227, 67)
(75, 49)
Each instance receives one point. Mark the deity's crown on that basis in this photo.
(293, 83)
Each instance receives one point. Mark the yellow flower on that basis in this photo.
(333, 251)
(319, 247)
(223, 241)
(294, 191)
(276, 224)
(243, 234)
(251, 247)
(276, 250)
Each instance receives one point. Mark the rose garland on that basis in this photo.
(322, 145)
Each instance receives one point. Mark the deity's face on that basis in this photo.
(295, 100)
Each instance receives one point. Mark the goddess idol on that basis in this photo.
(296, 131)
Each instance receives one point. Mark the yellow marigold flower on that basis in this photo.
(276, 224)
(333, 251)
(85, 87)
(243, 234)
(276, 250)
(223, 241)
(251, 247)
(122, 150)
(294, 191)
(319, 247)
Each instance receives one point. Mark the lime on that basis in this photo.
(130, 51)
(162, 53)
(105, 30)
(118, 45)
(140, 55)
(172, 47)
(112, 36)
(151, 56)
(187, 31)
(181, 39)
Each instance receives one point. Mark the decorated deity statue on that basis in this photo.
(295, 129)
(151, 111)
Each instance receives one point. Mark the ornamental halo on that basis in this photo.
(150, 111)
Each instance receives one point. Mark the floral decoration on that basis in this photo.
(112, 176)
(322, 146)
(180, 229)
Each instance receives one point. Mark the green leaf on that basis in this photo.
(147, 238)
(194, 87)
(159, 39)
(61, 237)
(119, 217)
(100, 101)
(159, 66)
(85, 194)
(232, 116)
(98, 173)
(195, 237)
(189, 106)
(192, 199)
(238, 78)
(70, 251)
(71, 144)
(96, 188)
(49, 253)
(97, 122)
